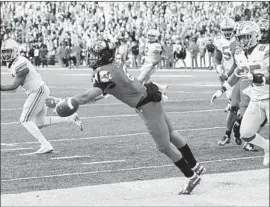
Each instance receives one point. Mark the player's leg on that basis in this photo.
(252, 119)
(232, 115)
(146, 71)
(153, 115)
(33, 105)
(181, 144)
(244, 102)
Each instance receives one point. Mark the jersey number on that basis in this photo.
(226, 53)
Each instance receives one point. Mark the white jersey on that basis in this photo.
(227, 48)
(256, 62)
(151, 50)
(33, 79)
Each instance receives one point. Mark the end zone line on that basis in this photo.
(121, 170)
(133, 115)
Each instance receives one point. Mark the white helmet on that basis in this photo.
(247, 34)
(9, 50)
(227, 28)
(152, 35)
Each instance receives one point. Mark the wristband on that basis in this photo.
(226, 86)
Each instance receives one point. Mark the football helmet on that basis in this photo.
(101, 52)
(264, 27)
(9, 50)
(227, 28)
(247, 34)
(153, 35)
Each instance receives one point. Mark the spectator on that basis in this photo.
(210, 49)
(202, 50)
(60, 54)
(43, 52)
(194, 50)
(179, 54)
(36, 56)
(135, 54)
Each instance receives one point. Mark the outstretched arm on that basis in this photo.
(19, 80)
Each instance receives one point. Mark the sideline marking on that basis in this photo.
(132, 115)
(120, 170)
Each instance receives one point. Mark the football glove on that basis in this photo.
(52, 101)
(257, 78)
(216, 95)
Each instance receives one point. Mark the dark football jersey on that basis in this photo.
(115, 80)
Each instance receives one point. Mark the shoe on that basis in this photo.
(224, 140)
(249, 147)
(46, 148)
(266, 158)
(191, 184)
(236, 131)
(238, 141)
(198, 169)
(76, 120)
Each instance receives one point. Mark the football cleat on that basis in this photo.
(76, 120)
(249, 147)
(199, 169)
(190, 185)
(266, 158)
(45, 148)
(224, 140)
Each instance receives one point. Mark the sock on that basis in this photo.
(188, 155)
(35, 132)
(260, 141)
(228, 133)
(185, 169)
(52, 120)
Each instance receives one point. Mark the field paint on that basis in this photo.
(118, 135)
(14, 149)
(70, 157)
(132, 115)
(121, 170)
(8, 145)
(103, 162)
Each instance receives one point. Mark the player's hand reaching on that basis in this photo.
(216, 95)
(52, 101)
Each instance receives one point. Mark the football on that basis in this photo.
(66, 107)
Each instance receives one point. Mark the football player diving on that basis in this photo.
(112, 78)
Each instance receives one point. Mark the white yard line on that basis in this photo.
(132, 115)
(116, 136)
(103, 162)
(119, 170)
(15, 149)
(70, 157)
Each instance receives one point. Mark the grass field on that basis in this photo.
(114, 150)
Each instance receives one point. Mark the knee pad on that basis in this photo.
(248, 139)
(234, 109)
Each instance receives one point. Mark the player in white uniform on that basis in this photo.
(252, 62)
(225, 47)
(152, 51)
(34, 111)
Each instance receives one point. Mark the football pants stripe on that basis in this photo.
(34, 104)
